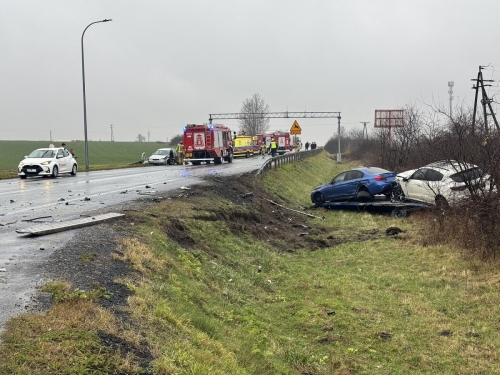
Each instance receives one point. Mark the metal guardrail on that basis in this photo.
(290, 157)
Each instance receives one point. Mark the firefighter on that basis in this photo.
(274, 148)
(180, 153)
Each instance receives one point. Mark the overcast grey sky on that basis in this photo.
(162, 64)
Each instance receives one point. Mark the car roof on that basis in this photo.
(450, 166)
(372, 170)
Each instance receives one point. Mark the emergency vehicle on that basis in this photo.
(245, 145)
(207, 143)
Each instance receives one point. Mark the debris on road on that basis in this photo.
(67, 225)
(4, 223)
(185, 188)
(86, 199)
(3, 270)
(37, 218)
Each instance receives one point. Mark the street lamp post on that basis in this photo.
(85, 100)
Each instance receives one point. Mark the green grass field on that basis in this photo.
(102, 155)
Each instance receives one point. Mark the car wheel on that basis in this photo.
(55, 172)
(74, 170)
(364, 196)
(318, 198)
(397, 194)
(441, 202)
(399, 213)
(22, 177)
(230, 157)
(247, 155)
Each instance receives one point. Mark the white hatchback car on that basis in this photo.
(440, 183)
(47, 162)
(163, 156)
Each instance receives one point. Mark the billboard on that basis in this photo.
(389, 118)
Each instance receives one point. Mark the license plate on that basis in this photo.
(31, 170)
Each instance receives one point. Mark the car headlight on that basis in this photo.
(21, 164)
(45, 163)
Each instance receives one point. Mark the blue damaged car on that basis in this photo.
(360, 184)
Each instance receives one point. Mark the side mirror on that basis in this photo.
(405, 179)
(25, 156)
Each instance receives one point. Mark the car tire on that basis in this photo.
(230, 157)
(218, 160)
(55, 172)
(399, 213)
(247, 155)
(318, 198)
(441, 203)
(364, 196)
(74, 169)
(22, 177)
(397, 194)
(196, 162)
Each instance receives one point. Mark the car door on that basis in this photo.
(335, 189)
(63, 160)
(352, 182)
(423, 185)
(415, 184)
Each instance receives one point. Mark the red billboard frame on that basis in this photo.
(389, 118)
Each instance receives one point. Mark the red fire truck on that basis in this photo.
(207, 143)
(282, 140)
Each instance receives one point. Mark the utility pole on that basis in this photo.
(148, 135)
(112, 137)
(450, 91)
(365, 130)
(50, 132)
(339, 155)
(485, 101)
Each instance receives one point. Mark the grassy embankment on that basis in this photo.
(102, 155)
(369, 304)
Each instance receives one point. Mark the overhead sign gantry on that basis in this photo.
(247, 115)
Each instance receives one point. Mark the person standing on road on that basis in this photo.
(180, 153)
(307, 145)
(274, 148)
(313, 146)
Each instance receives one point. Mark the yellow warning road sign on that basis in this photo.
(295, 129)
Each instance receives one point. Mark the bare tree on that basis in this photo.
(140, 138)
(256, 122)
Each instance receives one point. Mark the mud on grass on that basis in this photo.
(244, 207)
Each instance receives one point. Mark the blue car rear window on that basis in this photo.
(375, 170)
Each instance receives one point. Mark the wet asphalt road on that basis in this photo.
(66, 198)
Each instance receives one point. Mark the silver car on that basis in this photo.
(163, 156)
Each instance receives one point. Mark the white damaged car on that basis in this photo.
(441, 183)
(47, 162)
